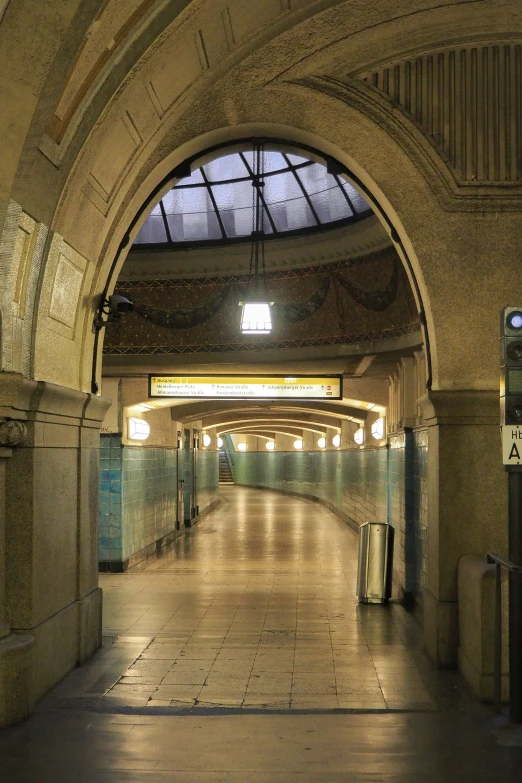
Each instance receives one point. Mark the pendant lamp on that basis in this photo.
(255, 315)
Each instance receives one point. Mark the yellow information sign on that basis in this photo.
(237, 387)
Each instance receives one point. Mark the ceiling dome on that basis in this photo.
(216, 202)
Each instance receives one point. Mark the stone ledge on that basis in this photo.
(16, 698)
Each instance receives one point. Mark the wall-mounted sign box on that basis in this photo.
(247, 387)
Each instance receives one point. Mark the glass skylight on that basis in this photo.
(215, 202)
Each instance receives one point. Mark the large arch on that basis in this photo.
(81, 159)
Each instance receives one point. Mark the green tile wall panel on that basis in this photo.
(149, 480)
(110, 511)
(366, 485)
(352, 482)
(208, 478)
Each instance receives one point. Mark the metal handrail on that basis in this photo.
(500, 563)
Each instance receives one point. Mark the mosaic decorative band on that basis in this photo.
(350, 339)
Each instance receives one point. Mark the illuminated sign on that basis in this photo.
(249, 387)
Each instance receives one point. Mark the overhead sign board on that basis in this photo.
(248, 387)
(512, 444)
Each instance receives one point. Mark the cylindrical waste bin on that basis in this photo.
(375, 562)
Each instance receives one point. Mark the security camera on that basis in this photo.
(119, 305)
(114, 308)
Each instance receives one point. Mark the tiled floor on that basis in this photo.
(242, 654)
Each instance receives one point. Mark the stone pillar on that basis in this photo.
(467, 503)
(52, 602)
(16, 701)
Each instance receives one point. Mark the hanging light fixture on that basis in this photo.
(255, 315)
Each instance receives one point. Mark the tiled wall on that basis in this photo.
(138, 499)
(110, 530)
(366, 485)
(149, 482)
(408, 511)
(208, 479)
(352, 483)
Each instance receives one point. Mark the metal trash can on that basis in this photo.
(375, 562)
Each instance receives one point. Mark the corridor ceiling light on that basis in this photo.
(298, 444)
(270, 445)
(378, 428)
(336, 440)
(138, 429)
(255, 316)
(241, 446)
(358, 436)
(207, 440)
(220, 443)
(321, 443)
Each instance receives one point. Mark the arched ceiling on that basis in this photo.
(117, 94)
(289, 428)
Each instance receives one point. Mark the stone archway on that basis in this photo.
(321, 74)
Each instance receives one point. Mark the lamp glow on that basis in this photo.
(241, 446)
(298, 444)
(220, 443)
(138, 429)
(378, 428)
(358, 436)
(256, 318)
(321, 443)
(336, 440)
(207, 440)
(270, 445)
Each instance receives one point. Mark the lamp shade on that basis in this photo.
(378, 429)
(358, 436)
(256, 318)
(138, 429)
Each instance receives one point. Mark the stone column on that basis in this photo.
(4, 625)
(16, 701)
(467, 503)
(50, 523)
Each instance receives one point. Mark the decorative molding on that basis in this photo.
(65, 294)
(68, 277)
(114, 159)
(202, 50)
(468, 102)
(344, 339)
(453, 194)
(229, 30)
(12, 432)
(387, 254)
(87, 75)
(3, 8)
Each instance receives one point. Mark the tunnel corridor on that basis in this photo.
(241, 652)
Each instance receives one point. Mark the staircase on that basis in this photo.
(225, 474)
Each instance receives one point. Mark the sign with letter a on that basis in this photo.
(512, 444)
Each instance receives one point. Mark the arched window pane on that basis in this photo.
(297, 194)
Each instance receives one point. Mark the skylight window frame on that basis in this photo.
(207, 183)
